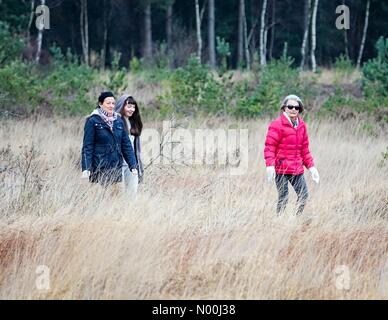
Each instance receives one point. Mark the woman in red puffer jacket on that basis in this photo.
(286, 151)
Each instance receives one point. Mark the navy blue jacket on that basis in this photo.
(103, 149)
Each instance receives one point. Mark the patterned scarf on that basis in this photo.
(107, 119)
(293, 123)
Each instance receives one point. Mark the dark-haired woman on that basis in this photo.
(105, 144)
(287, 151)
(128, 109)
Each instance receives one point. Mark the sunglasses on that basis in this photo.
(297, 108)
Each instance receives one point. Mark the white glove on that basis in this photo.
(134, 172)
(314, 174)
(270, 173)
(85, 174)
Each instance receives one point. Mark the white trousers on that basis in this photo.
(131, 182)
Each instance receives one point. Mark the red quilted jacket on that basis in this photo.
(287, 148)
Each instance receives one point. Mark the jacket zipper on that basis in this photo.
(296, 149)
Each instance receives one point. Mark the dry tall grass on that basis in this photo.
(192, 232)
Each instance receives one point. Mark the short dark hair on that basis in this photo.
(105, 95)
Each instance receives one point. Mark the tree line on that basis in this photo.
(167, 32)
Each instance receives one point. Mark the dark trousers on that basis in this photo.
(298, 183)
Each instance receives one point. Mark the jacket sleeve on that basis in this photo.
(127, 151)
(88, 145)
(308, 161)
(271, 143)
(140, 160)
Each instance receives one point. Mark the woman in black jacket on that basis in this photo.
(105, 144)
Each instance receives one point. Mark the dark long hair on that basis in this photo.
(135, 119)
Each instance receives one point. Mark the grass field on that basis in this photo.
(192, 232)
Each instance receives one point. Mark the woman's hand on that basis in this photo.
(134, 172)
(85, 174)
(314, 174)
(270, 173)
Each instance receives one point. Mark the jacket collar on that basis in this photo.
(287, 121)
(97, 116)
